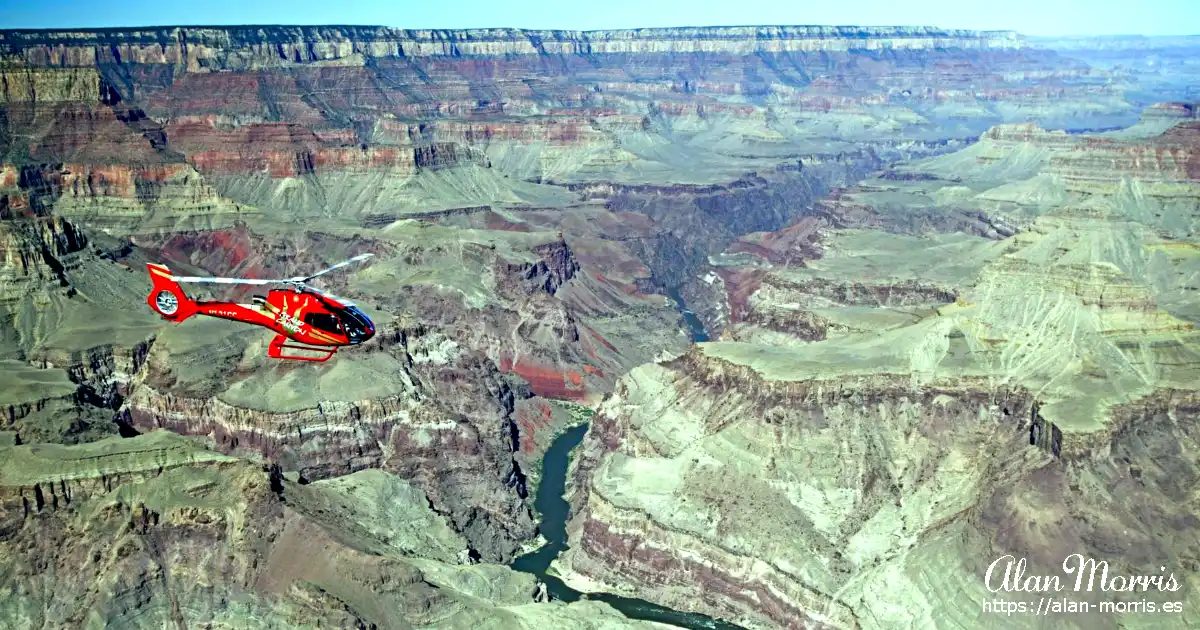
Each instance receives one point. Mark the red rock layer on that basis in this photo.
(546, 381)
(1172, 156)
(791, 245)
(739, 286)
(120, 181)
(80, 132)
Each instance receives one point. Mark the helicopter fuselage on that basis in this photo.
(302, 316)
(298, 313)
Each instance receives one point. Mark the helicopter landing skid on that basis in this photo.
(279, 344)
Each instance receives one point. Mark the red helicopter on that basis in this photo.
(316, 321)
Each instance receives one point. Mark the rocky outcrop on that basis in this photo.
(709, 521)
(121, 198)
(1078, 160)
(868, 474)
(1026, 169)
(450, 449)
(40, 250)
(556, 265)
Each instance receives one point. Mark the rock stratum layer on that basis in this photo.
(530, 198)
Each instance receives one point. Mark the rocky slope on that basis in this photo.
(154, 532)
(891, 409)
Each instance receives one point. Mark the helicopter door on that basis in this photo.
(323, 321)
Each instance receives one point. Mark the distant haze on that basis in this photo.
(1030, 17)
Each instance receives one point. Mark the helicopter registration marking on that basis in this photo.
(289, 323)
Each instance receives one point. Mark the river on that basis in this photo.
(555, 510)
(699, 332)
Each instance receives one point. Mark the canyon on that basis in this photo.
(938, 288)
(986, 353)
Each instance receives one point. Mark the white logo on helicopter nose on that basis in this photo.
(289, 323)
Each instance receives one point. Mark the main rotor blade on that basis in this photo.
(358, 258)
(340, 300)
(299, 279)
(190, 279)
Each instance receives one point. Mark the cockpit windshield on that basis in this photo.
(358, 325)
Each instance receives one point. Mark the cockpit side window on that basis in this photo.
(323, 321)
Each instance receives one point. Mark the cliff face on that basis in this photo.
(200, 48)
(800, 480)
